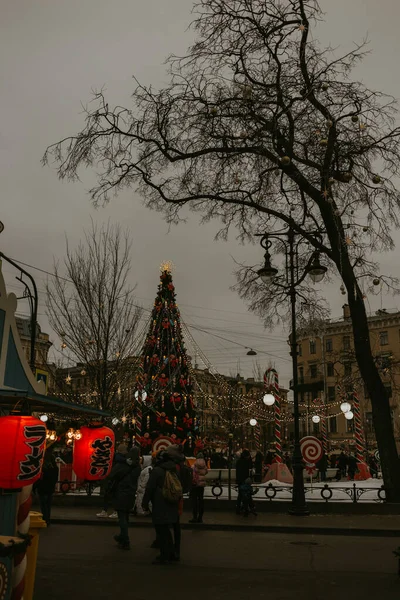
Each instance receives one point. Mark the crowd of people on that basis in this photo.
(154, 486)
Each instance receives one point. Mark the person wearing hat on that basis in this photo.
(123, 481)
(197, 493)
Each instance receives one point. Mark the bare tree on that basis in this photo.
(261, 127)
(92, 310)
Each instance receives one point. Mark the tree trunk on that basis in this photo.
(381, 415)
(379, 397)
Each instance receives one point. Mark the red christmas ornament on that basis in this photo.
(173, 361)
(175, 398)
(171, 287)
(22, 446)
(187, 421)
(155, 360)
(163, 380)
(165, 323)
(93, 453)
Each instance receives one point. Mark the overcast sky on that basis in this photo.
(53, 52)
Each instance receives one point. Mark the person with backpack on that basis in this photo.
(197, 494)
(122, 492)
(164, 491)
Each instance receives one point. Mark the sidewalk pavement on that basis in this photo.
(367, 525)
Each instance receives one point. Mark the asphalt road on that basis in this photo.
(83, 563)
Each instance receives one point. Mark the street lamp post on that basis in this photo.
(268, 274)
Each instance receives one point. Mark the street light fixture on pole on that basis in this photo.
(268, 274)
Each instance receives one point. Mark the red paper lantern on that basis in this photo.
(93, 453)
(22, 446)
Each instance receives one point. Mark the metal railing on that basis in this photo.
(325, 493)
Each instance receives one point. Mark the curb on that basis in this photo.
(288, 529)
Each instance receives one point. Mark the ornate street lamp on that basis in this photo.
(291, 280)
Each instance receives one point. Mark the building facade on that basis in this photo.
(328, 374)
(226, 405)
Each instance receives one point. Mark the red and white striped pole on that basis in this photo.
(138, 416)
(324, 434)
(257, 436)
(271, 383)
(359, 430)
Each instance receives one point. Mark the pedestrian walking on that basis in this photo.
(373, 465)
(122, 488)
(46, 485)
(164, 491)
(119, 458)
(243, 470)
(147, 467)
(342, 464)
(322, 466)
(184, 472)
(352, 466)
(197, 493)
(247, 492)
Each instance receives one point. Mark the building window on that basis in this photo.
(330, 370)
(316, 428)
(383, 338)
(333, 424)
(313, 371)
(329, 345)
(331, 393)
(301, 374)
(349, 425)
(346, 342)
(300, 350)
(313, 347)
(347, 369)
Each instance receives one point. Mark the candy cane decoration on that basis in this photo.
(359, 430)
(324, 434)
(271, 383)
(23, 522)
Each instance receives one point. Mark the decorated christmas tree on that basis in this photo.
(164, 404)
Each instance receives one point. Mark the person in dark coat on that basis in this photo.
(373, 466)
(176, 454)
(342, 464)
(258, 467)
(165, 514)
(352, 466)
(243, 469)
(322, 466)
(46, 485)
(123, 481)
